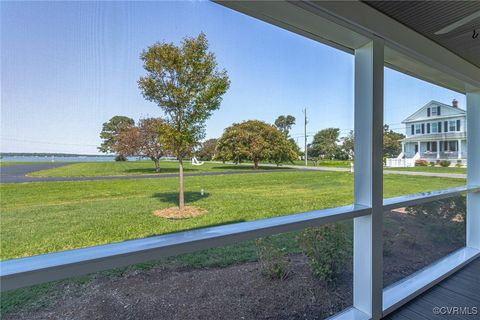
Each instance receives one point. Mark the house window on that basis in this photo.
(452, 145)
(418, 128)
(432, 146)
(434, 111)
(434, 127)
(452, 125)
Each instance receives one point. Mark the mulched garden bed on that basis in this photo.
(236, 292)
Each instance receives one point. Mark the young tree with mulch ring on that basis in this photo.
(185, 83)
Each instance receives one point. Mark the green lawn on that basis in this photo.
(112, 168)
(46, 217)
(324, 163)
(431, 169)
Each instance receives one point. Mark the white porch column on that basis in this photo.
(368, 244)
(403, 147)
(438, 149)
(473, 168)
(459, 149)
(419, 150)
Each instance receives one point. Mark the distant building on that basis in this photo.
(437, 131)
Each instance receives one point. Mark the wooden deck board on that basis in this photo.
(462, 289)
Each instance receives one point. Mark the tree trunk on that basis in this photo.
(157, 165)
(181, 195)
(255, 164)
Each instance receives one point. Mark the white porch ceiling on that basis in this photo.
(428, 17)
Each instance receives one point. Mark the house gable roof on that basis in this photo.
(415, 116)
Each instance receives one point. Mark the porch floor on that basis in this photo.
(462, 289)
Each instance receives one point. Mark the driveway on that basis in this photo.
(16, 173)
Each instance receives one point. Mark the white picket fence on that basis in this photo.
(400, 163)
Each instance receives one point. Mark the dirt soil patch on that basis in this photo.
(411, 247)
(236, 292)
(175, 213)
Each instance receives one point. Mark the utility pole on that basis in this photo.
(305, 136)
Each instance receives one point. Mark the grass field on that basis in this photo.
(95, 169)
(325, 163)
(46, 217)
(432, 169)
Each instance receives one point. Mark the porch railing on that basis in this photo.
(443, 155)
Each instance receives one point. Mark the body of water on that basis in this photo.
(62, 159)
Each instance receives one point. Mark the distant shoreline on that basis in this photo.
(20, 158)
(34, 154)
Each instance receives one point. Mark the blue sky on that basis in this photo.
(67, 67)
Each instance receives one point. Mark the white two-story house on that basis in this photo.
(437, 131)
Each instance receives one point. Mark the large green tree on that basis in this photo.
(348, 144)
(143, 140)
(325, 144)
(392, 145)
(185, 83)
(285, 123)
(255, 141)
(110, 132)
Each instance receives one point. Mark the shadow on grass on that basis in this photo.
(172, 197)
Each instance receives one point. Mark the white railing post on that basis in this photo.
(473, 168)
(367, 247)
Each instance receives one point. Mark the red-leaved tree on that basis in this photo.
(143, 140)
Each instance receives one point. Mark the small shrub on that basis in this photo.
(273, 262)
(445, 163)
(120, 158)
(328, 250)
(421, 163)
(432, 164)
(459, 164)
